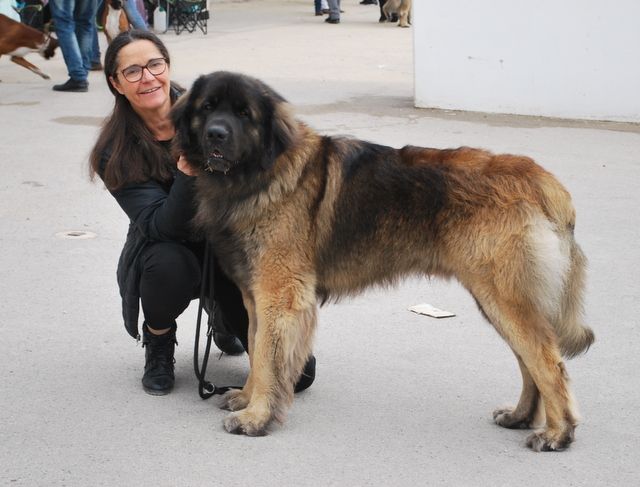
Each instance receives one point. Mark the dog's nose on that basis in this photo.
(217, 133)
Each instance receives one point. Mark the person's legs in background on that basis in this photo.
(96, 64)
(134, 16)
(85, 23)
(62, 12)
(334, 12)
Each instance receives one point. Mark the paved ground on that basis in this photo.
(400, 399)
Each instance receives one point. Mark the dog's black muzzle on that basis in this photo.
(220, 154)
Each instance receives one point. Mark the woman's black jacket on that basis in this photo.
(158, 213)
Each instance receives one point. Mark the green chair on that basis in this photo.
(189, 15)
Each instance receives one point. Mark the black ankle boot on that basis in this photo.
(158, 378)
(226, 341)
(228, 344)
(308, 375)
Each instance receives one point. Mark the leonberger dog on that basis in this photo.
(297, 218)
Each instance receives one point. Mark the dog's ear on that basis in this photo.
(281, 133)
(181, 115)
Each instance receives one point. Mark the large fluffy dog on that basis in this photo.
(296, 217)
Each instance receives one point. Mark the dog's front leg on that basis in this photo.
(237, 399)
(285, 323)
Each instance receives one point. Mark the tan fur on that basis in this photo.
(316, 225)
(402, 8)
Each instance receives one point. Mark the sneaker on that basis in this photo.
(96, 66)
(73, 85)
(329, 20)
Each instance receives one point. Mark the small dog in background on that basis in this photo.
(18, 40)
(397, 8)
(114, 19)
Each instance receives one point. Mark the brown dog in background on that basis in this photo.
(399, 8)
(114, 19)
(18, 39)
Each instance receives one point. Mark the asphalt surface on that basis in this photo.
(400, 398)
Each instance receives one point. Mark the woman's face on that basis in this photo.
(150, 93)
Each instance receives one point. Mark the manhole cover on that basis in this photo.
(76, 234)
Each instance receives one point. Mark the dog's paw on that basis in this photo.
(234, 400)
(244, 423)
(547, 441)
(506, 418)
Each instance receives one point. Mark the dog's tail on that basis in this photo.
(575, 337)
(563, 264)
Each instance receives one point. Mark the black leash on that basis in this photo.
(205, 388)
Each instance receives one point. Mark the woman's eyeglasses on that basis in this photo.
(133, 73)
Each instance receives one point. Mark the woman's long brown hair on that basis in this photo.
(126, 151)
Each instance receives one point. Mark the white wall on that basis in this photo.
(557, 58)
(6, 8)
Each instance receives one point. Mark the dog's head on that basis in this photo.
(230, 124)
(48, 49)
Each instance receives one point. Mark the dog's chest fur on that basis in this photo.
(115, 21)
(241, 229)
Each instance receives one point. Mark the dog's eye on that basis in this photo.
(209, 104)
(244, 112)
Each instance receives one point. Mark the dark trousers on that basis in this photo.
(171, 275)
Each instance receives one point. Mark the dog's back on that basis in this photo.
(18, 39)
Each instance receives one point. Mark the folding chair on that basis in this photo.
(189, 15)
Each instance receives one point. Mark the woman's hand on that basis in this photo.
(185, 167)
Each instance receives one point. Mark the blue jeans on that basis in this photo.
(133, 14)
(75, 23)
(334, 9)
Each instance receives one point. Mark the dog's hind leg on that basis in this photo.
(403, 15)
(533, 340)
(529, 412)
